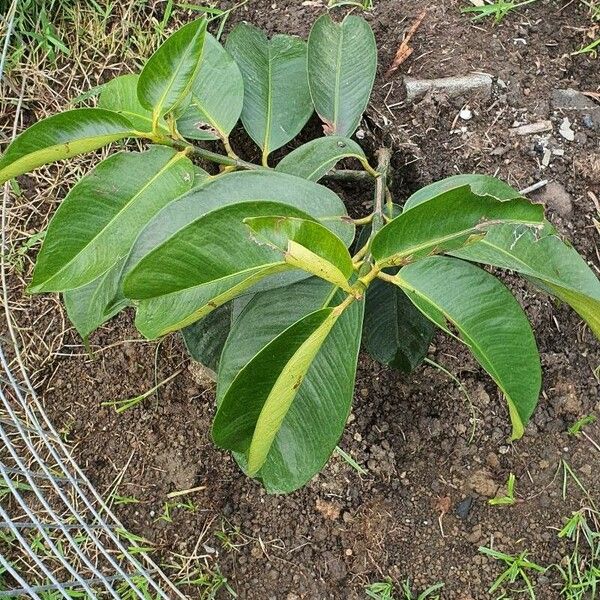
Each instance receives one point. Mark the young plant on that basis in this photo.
(497, 9)
(259, 265)
(507, 499)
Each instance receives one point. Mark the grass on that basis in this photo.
(518, 570)
(509, 498)
(350, 460)
(577, 427)
(497, 9)
(121, 406)
(384, 590)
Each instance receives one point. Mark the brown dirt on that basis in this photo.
(412, 433)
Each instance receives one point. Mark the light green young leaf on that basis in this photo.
(447, 222)
(323, 399)
(342, 62)
(98, 221)
(254, 407)
(489, 321)
(317, 157)
(217, 96)
(62, 136)
(167, 77)
(307, 245)
(277, 101)
(395, 333)
(120, 95)
(545, 259)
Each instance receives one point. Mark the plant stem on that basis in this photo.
(348, 175)
(215, 157)
(384, 156)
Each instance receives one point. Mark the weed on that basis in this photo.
(577, 427)
(123, 405)
(117, 499)
(209, 582)
(498, 9)
(509, 498)
(384, 590)
(229, 536)
(518, 569)
(580, 570)
(350, 460)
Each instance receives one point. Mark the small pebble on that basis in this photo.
(466, 114)
(566, 131)
(463, 507)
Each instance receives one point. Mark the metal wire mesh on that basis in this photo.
(58, 538)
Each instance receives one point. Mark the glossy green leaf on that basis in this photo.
(447, 222)
(482, 185)
(307, 245)
(98, 221)
(92, 305)
(120, 95)
(489, 321)
(217, 96)
(395, 333)
(62, 136)
(317, 157)
(545, 259)
(342, 62)
(256, 403)
(316, 418)
(167, 78)
(205, 338)
(183, 219)
(277, 101)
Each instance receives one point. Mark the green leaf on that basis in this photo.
(395, 333)
(62, 136)
(169, 307)
(342, 62)
(120, 95)
(317, 416)
(205, 339)
(206, 264)
(90, 306)
(277, 101)
(481, 185)
(317, 157)
(488, 320)
(306, 245)
(217, 96)
(447, 222)
(545, 259)
(167, 77)
(255, 405)
(100, 218)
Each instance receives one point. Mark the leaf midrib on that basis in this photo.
(465, 338)
(527, 270)
(338, 78)
(251, 272)
(269, 115)
(158, 108)
(25, 158)
(479, 228)
(172, 161)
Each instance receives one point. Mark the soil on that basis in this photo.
(433, 458)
